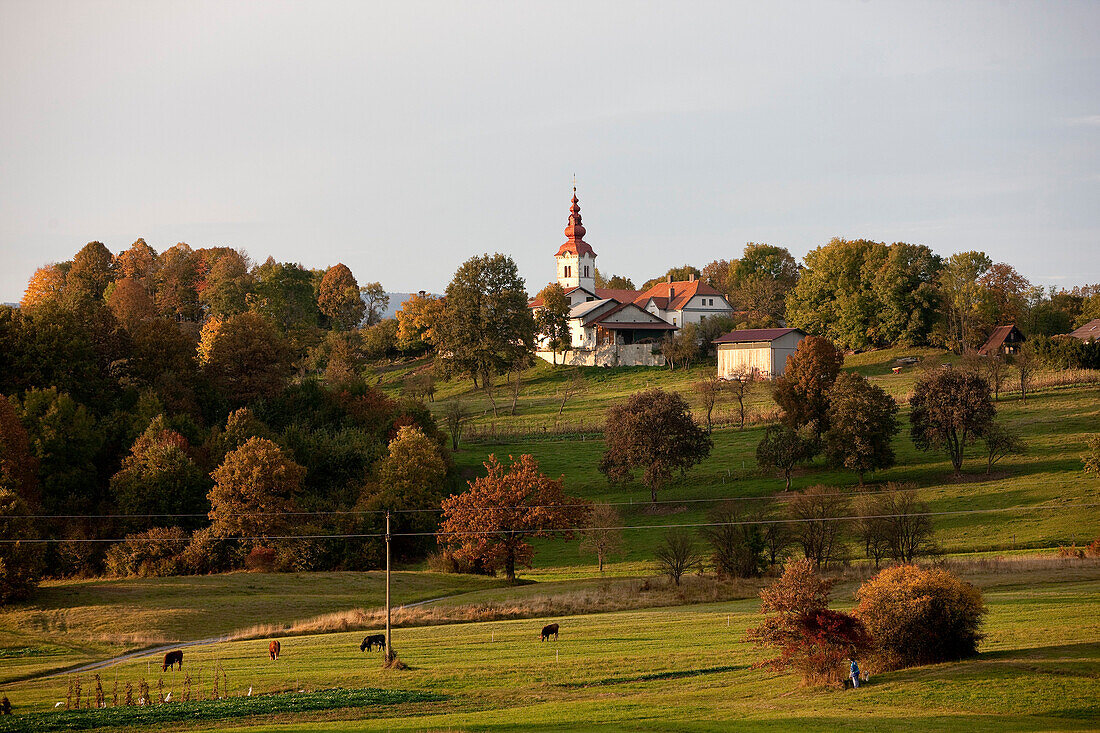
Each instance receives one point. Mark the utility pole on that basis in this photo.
(389, 646)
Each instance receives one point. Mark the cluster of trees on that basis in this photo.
(153, 395)
(907, 616)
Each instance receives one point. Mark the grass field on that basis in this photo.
(660, 669)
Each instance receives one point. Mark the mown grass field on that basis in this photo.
(682, 668)
(75, 622)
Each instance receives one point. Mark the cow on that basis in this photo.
(378, 640)
(172, 658)
(548, 630)
(273, 649)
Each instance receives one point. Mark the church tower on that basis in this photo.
(576, 258)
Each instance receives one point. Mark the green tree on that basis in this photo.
(835, 295)
(92, 271)
(224, 290)
(862, 425)
(494, 520)
(602, 536)
(1091, 456)
(654, 431)
(1000, 441)
(65, 441)
(963, 295)
(18, 467)
(487, 326)
(159, 477)
(284, 294)
(339, 298)
(552, 319)
(949, 409)
(782, 448)
(909, 300)
(177, 294)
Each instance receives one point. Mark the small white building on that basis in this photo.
(762, 352)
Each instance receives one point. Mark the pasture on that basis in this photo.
(655, 669)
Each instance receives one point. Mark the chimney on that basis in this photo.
(691, 278)
(671, 292)
(669, 279)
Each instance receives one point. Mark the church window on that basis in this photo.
(586, 270)
(568, 271)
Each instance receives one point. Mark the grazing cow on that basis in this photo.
(378, 640)
(172, 658)
(548, 630)
(273, 650)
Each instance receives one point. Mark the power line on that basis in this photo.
(748, 522)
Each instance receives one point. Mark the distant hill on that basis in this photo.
(11, 305)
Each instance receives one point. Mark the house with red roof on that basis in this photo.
(611, 327)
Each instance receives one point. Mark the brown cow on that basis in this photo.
(172, 658)
(548, 630)
(273, 649)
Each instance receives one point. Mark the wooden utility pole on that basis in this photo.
(389, 646)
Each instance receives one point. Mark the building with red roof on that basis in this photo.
(615, 326)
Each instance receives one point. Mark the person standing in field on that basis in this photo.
(855, 674)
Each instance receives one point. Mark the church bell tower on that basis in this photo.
(576, 258)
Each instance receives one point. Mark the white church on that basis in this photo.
(620, 327)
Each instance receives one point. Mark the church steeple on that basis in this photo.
(576, 258)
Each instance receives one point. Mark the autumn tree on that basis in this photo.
(375, 302)
(254, 489)
(803, 390)
(92, 271)
(949, 409)
(45, 286)
(226, 286)
(245, 358)
(18, 467)
(176, 276)
(602, 536)
(130, 303)
(654, 431)
(552, 319)
(139, 262)
(487, 325)
(815, 523)
(862, 425)
(810, 638)
(1001, 441)
(736, 540)
(740, 385)
(1025, 364)
(920, 616)
(494, 520)
(417, 321)
(20, 560)
(677, 274)
(782, 448)
(339, 298)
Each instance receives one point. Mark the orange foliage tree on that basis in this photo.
(130, 303)
(417, 321)
(803, 390)
(493, 520)
(338, 298)
(45, 285)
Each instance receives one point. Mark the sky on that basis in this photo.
(402, 138)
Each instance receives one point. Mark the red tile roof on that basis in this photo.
(748, 335)
(1090, 330)
(682, 292)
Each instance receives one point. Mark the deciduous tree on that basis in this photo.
(862, 425)
(20, 561)
(816, 525)
(18, 467)
(602, 536)
(254, 489)
(552, 319)
(677, 555)
(45, 286)
(417, 321)
(709, 390)
(654, 431)
(92, 271)
(339, 298)
(159, 477)
(736, 541)
(803, 390)
(376, 302)
(1001, 441)
(246, 358)
(949, 409)
(495, 518)
(782, 448)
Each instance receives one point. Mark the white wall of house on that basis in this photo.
(606, 355)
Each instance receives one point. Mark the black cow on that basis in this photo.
(548, 630)
(172, 658)
(378, 640)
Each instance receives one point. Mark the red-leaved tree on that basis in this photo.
(492, 521)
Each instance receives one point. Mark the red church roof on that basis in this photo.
(574, 230)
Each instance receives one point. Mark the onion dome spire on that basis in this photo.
(574, 229)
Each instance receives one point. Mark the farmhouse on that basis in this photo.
(611, 327)
(759, 351)
(1004, 341)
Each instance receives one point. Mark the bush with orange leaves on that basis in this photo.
(494, 519)
(812, 639)
(920, 616)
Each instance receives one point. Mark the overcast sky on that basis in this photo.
(402, 138)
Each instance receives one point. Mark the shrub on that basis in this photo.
(737, 547)
(151, 554)
(811, 639)
(261, 560)
(920, 616)
(1091, 459)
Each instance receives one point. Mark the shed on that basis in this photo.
(1004, 340)
(1089, 331)
(760, 351)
